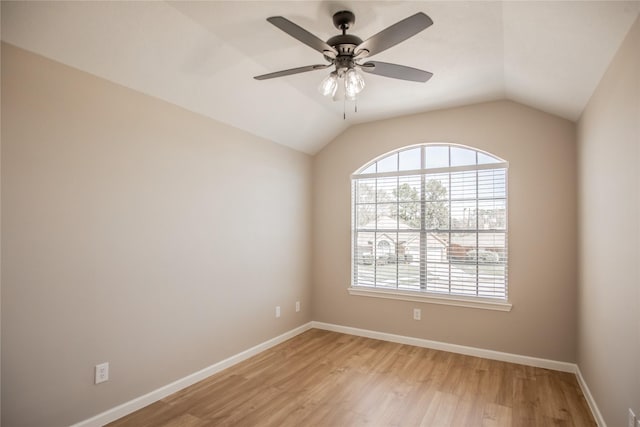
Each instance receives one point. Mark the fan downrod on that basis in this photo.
(343, 20)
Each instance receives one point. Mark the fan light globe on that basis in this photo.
(329, 85)
(353, 83)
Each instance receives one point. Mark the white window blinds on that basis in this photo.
(433, 219)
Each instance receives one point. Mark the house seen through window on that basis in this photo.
(431, 218)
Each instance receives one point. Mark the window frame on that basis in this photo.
(424, 295)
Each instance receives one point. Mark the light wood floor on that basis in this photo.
(322, 378)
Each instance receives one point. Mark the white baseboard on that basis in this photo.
(151, 397)
(453, 348)
(589, 398)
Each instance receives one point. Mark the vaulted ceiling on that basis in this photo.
(202, 56)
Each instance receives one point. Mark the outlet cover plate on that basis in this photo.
(102, 373)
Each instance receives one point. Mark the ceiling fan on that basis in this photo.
(345, 52)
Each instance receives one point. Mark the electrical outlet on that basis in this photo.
(102, 372)
(277, 311)
(632, 419)
(417, 314)
(297, 306)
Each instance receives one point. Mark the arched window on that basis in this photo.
(431, 219)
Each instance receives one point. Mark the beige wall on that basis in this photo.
(609, 197)
(541, 152)
(137, 233)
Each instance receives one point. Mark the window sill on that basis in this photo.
(459, 301)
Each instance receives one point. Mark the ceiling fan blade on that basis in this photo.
(291, 71)
(396, 71)
(396, 33)
(299, 33)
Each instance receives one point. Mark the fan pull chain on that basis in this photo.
(344, 108)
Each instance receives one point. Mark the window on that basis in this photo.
(431, 221)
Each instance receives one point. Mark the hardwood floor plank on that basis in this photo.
(441, 410)
(496, 416)
(322, 378)
(185, 420)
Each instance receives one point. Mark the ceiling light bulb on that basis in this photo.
(329, 85)
(353, 83)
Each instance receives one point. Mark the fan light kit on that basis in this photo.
(344, 51)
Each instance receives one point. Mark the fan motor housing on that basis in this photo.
(344, 43)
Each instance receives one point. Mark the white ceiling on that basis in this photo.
(203, 55)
